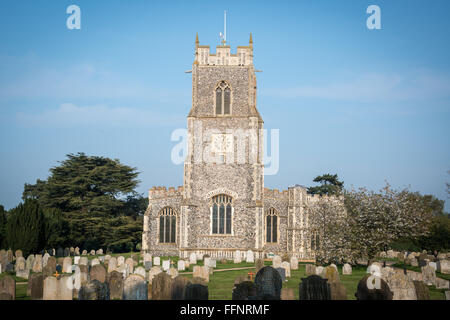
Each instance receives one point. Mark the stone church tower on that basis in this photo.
(223, 209)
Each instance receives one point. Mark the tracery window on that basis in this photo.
(167, 225)
(221, 214)
(223, 99)
(271, 226)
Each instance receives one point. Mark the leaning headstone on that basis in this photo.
(166, 265)
(181, 265)
(250, 257)
(244, 291)
(67, 265)
(422, 291)
(112, 265)
(162, 287)
(157, 261)
(276, 262)
(193, 258)
(179, 288)
(98, 272)
(294, 263)
(428, 275)
(268, 283)
(196, 291)
(374, 288)
(36, 286)
(237, 257)
(201, 272)
(115, 283)
(338, 291)
(134, 288)
(331, 274)
(94, 290)
(314, 287)
(287, 294)
(347, 269)
(8, 288)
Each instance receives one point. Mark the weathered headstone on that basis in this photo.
(422, 291)
(276, 262)
(21, 268)
(115, 283)
(84, 253)
(153, 272)
(157, 261)
(45, 259)
(428, 275)
(172, 272)
(18, 254)
(67, 265)
(181, 265)
(94, 290)
(444, 266)
(259, 264)
(268, 283)
(442, 284)
(347, 269)
(99, 252)
(166, 265)
(338, 291)
(294, 263)
(201, 272)
(310, 269)
(10, 255)
(287, 294)
(66, 252)
(378, 289)
(162, 287)
(58, 289)
(179, 288)
(244, 291)
(83, 261)
(92, 252)
(135, 288)
(36, 286)
(50, 267)
(29, 262)
(37, 264)
(98, 272)
(237, 256)
(314, 287)
(331, 274)
(59, 252)
(112, 264)
(287, 267)
(8, 288)
(196, 291)
(140, 271)
(193, 258)
(250, 257)
(95, 262)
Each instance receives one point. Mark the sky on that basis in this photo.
(370, 105)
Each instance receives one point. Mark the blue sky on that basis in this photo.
(369, 105)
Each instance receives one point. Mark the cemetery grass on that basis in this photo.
(401, 265)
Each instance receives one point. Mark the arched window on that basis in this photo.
(223, 99)
(167, 225)
(271, 226)
(221, 211)
(315, 241)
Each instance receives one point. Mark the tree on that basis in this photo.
(88, 184)
(378, 219)
(329, 185)
(2, 227)
(25, 227)
(56, 229)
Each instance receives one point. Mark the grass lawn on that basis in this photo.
(221, 283)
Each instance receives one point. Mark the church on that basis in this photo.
(223, 208)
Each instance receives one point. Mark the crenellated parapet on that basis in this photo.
(163, 192)
(276, 194)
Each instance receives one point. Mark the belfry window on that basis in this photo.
(271, 226)
(221, 214)
(167, 225)
(223, 99)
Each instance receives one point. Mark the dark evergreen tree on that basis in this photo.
(329, 185)
(2, 228)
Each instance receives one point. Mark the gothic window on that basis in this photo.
(222, 212)
(271, 226)
(167, 225)
(223, 99)
(315, 241)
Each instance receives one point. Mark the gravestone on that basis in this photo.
(72, 251)
(84, 253)
(442, 284)
(99, 252)
(83, 261)
(67, 265)
(115, 283)
(237, 257)
(268, 283)
(112, 265)
(422, 291)
(45, 259)
(157, 261)
(375, 292)
(95, 262)
(428, 275)
(172, 272)
(8, 288)
(179, 288)
(347, 269)
(201, 272)
(338, 291)
(166, 265)
(193, 258)
(444, 266)
(245, 290)
(21, 268)
(433, 265)
(196, 291)
(181, 265)
(29, 262)
(287, 294)
(310, 269)
(3, 259)
(58, 289)
(276, 262)
(153, 272)
(59, 252)
(10, 255)
(294, 263)
(130, 263)
(18, 254)
(259, 264)
(50, 267)
(447, 295)
(162, 287)
(314, 287)
(140, 271)
(94, 290)
(250, 257)
(66, 252)
(282, 272)
(135, 288)
(287, 267)
(76, 259)
(92, 252)
(36, 286)
(331, 274)
(98, 273)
